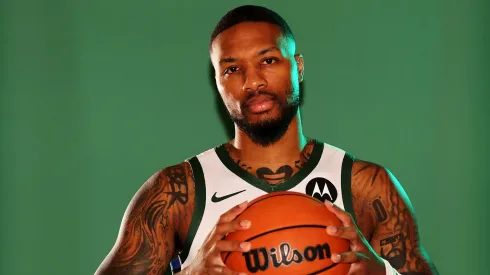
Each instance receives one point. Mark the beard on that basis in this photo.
(268, 131)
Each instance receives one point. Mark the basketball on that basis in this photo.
(287, 236)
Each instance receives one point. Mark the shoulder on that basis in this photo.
(375, 187)
(175, 182)
(164, 189)
(178, 177)
(370, 179)
(370, 175)
(366, 173)
(165, 176)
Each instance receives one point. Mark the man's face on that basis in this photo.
(257, 75)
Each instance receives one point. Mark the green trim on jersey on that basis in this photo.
(284, 186)
(168, 271)
(199, 205)
(346, 182)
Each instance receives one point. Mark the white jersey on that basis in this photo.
(221, 184)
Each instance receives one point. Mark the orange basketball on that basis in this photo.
(288, 237)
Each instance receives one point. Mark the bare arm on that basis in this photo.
(146, 240)
(394, 235)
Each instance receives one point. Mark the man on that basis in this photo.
(182, 212)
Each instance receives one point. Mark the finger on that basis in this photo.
(344, 217)
(233, 213)
(348, 233)
(223, 270)
(232, 246)
(348, 257)
(225, 228)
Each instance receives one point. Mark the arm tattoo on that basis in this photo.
(395, 235)
(370, 166)
(394, 249)
(146, 244)
(400, 223)
(178, 183)
(379, 210)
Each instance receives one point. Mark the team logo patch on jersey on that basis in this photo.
(322, 189)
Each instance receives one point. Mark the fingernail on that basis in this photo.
(245, 245)
(331, 229)
(243, 204)
(336, 258)
(245, 224)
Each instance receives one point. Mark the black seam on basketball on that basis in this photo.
(278, 195)
(323, 269)
(275, 230)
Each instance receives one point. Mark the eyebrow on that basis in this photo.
(270, 49)
(262, 52)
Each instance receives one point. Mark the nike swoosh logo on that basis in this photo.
(218, 199)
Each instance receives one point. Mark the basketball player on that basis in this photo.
(177, 219)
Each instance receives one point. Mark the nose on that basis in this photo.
(254, 81)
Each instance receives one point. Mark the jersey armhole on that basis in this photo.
(346, 182)
(199, 206)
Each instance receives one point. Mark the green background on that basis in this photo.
(98, 95)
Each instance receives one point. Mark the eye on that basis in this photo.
(230, 70)
(269, 61)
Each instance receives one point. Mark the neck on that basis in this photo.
(287, 148)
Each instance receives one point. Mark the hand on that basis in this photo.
(362, 258)
(208, 260)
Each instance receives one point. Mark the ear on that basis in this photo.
(301, 66)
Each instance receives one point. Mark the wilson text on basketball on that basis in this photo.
(263, 258)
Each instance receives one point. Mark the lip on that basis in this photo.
(257, 100)
(259, 104)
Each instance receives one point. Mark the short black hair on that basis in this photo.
(250, 13)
